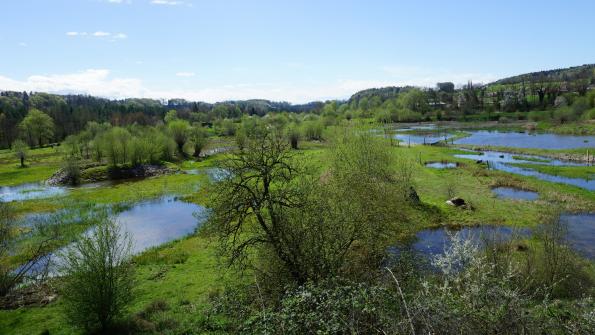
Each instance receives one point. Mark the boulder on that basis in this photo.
(456, 202)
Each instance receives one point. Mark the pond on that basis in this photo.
(149, 223)
(432, 242)
(441, 165)
(505, 157)
(429, 138)
(29, 191)
(580, 235)
(152, 223)
(501, 161)
(527, 140)
(514, 193)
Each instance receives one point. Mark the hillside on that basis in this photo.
(582, 72)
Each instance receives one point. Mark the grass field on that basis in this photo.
(180, 276)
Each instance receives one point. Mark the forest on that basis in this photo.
(557, 96)
(401, 210)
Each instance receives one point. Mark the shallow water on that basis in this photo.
(149, 223)
(29, 191)
(152, 223)
(581, 233)
(430, 138)
(432, 242)
(514, 193)
(505, 157)
(500, 161)
(441, 165)
(214, 173)
(527, 140)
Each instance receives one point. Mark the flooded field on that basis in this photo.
(504, 162)
(513, 193)
(441, 165)
(29, 191)
(527, 140)
(579, 235)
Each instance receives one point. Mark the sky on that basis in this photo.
(296, 51)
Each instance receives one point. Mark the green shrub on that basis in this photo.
(98, 278)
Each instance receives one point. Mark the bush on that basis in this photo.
(293, 133)
(98, 278)
(313, 130)
(73, 170)
(332, 307)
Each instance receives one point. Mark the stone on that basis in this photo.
(456, 202)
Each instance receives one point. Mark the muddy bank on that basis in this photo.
(94, 172)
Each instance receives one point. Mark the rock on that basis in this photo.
(560, 102)
(412, 195)
(48, 299)
(501, 156)
(479, 161)
(456, 202)
(61, 177)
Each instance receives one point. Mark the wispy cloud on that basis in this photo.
(170, 2)
(185, 74)
(23, 44)
(98, 34)
(101, 34)
(119, 1)
(100, 82)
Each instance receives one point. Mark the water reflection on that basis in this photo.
(502, 161)
(29, 191)
(527, 140)
(441, 165)
(514, 193)
(149, 223)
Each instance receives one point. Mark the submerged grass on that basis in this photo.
(582, 172)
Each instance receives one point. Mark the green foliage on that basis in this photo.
(98, 278)
(21, 150)
(37, 127)
(313, 130)
(72, 170)
(198, 136)
(179, 131)
(330, 307)
(294, 135)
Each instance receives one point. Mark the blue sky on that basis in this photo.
(295, 51)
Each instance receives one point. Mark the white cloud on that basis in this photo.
(100, 82)
(185, 74)
(23, 44)
(101, 34)
(92, 81)
(170, 3)
(119, 1)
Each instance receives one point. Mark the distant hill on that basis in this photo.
(569, 74)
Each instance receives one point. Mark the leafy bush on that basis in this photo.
(98, 277)
(332, 307)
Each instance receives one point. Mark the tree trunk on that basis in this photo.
(22, 161)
